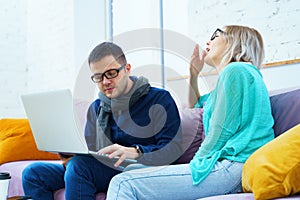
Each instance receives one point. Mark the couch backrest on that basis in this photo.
(285, 110)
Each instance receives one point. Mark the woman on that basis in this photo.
(237, 121)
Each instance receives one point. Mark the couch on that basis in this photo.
(286, 112)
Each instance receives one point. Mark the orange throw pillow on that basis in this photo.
(17, 142)
(273, 170)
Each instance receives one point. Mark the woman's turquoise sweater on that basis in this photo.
(237, 119)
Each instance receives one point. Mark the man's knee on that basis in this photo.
(77, 162)
(77, 166)
(30, 171)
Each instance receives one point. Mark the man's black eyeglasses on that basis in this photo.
(109, 74)
(215, 34)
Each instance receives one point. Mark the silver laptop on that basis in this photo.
(55, 126)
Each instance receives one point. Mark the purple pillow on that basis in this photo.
(285, 111)
(192, 132)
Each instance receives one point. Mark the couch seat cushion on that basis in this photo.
(60, 195)
(15, 169)
(245, 196)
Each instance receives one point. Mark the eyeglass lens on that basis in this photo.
(215, 34)
(109, 74)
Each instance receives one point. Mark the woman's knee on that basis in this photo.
(122, 179)
(121, 187)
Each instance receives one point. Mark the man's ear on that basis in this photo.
(128, 67)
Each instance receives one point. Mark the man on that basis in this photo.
(130, 119)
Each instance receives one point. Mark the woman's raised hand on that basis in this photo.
(197, 61)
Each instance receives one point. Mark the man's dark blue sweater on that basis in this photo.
(153, 124)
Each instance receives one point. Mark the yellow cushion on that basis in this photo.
(274, 170)
(17, 142)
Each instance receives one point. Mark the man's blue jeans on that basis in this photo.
(83, 177)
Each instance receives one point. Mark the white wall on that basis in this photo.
(277, 21)
(193, 21)
(13, 76)
(130, 18)
(281, 77)
(36, 50)
(44, 44)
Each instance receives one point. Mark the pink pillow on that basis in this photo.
(192, 132)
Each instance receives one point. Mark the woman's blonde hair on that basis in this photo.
(244, 45)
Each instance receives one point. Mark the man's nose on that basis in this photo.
(105, 80)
